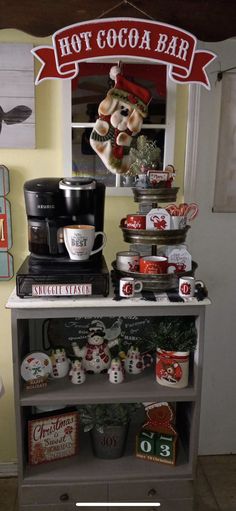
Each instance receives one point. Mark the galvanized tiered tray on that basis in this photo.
(155, 195)
(149, 237)
(151, 282)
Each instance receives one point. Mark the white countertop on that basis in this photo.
(14, 302)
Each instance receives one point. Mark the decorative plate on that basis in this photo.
(36, 365)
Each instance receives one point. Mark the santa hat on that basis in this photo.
(130, 92)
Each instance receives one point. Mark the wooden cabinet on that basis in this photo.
(59, 485)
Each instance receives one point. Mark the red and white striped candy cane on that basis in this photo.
(191, 211)
(172, 209)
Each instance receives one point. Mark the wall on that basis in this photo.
(213, 245)
(46, 160)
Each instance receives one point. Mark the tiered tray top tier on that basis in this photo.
(155, 195)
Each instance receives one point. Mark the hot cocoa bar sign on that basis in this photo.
(124, 37)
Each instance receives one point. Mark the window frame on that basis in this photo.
(169, 128)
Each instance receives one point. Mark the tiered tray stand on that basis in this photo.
(149, 198)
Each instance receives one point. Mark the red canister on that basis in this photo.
(172, 368)
(136, 221)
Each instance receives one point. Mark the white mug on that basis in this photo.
(187, 286)
(129, 286)
(79, 241)
(127, 261)
(178, 222)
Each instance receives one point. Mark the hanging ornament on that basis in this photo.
(121, 116)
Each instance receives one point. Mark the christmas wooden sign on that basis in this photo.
(53, 437)
(124, 37)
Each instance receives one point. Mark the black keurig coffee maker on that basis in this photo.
(51, 204)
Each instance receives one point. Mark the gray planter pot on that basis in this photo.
(111, 443)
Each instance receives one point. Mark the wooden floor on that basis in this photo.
(216, 486)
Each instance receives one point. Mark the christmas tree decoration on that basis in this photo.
(145, 156)
(121, 116)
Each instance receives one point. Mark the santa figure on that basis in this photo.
(121, 116)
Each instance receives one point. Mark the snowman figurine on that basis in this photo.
(96, 353)
(133, 361)
(60, 363)
(77, 372)
(116, 371)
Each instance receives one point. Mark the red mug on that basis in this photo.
(134, 221)
(155, 264)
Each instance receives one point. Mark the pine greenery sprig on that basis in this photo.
(144, 156)
(101, 415)
(176, 334)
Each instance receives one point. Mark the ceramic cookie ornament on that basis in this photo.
(36, 365)
(121, 116)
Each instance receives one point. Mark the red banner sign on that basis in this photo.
(124, 37)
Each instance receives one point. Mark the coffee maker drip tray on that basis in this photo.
(45, 276)
(52, 264)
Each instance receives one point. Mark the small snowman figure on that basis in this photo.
(60, 363)
(77, 372)
(116, 371)
(96, 353)
(133, 361)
